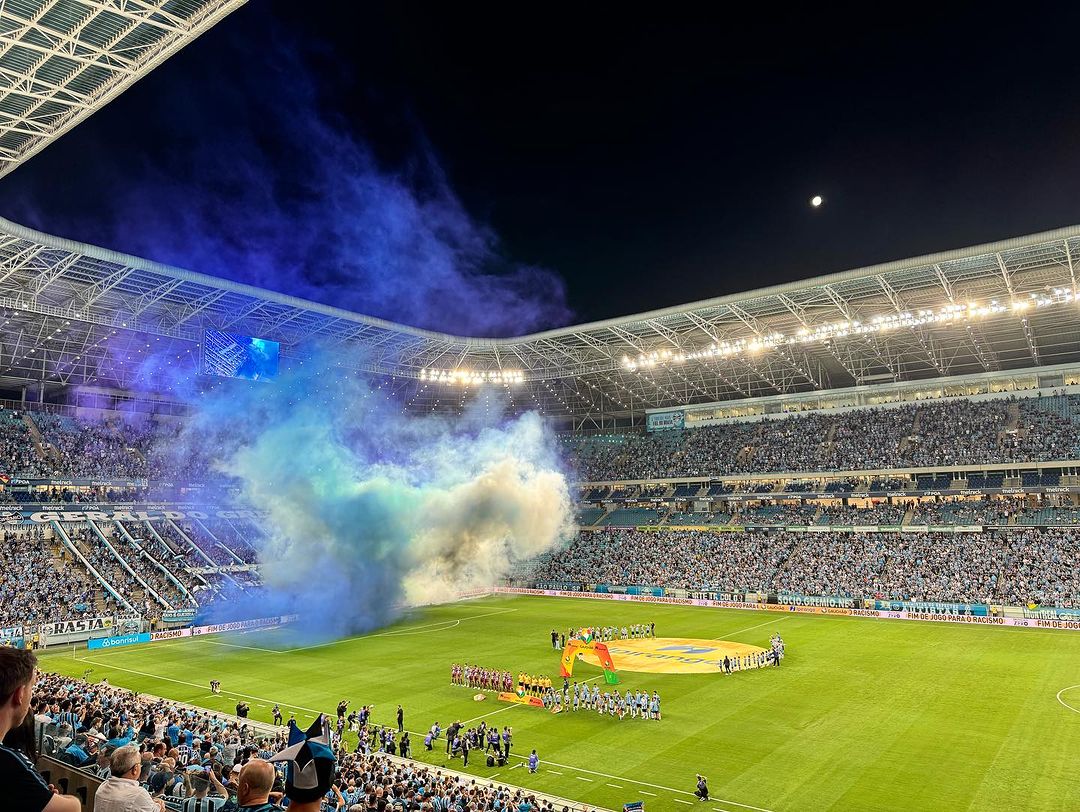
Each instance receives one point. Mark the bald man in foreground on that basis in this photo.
(253, 792)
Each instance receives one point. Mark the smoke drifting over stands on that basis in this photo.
(369, 510)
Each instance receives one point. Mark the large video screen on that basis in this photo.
(234, 356)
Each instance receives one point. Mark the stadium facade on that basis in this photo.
(996, 317)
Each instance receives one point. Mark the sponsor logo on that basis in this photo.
(689, 649)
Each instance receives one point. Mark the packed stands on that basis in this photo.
(990, 567)
(927, 434)
(33, 573)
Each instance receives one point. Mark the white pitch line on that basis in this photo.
(580, 778)
(553, 771)
(237, 645)
(185, 682)
(490, 713)
(1063, 702)
(409, 630)
(615, 786)
(751, 628)
(493, 775)
(645, 784)
(681, 801)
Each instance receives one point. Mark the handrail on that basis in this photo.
(59, 530)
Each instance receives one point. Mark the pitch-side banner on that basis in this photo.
(969, 620)
(83, 625)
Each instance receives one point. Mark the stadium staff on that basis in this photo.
(122, 791)
(21, 787)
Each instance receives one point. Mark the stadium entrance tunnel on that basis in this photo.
(671, 655)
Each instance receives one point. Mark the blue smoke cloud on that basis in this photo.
(370, 510)
(264, 182)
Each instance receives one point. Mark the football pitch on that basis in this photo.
(863, 714)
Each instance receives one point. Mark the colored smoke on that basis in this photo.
(279, 190)
(369, 510)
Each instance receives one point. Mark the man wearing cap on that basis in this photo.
(163, 778)
(76, 753)
(198, 785)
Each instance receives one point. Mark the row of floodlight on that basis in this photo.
(950, 313)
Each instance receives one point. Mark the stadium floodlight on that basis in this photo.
(952, 313)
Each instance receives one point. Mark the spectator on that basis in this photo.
(253, 789)
(21, 785)
(122, 791)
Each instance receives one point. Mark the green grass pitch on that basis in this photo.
(864, 714)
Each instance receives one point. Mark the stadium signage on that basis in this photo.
(116, 642)
(111, 513)
(178, 615)
(81, 626)
(11, 632)
(802, 496)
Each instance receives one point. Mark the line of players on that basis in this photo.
(772, 656)
(486, 679)
(638, 704)
(604, 634)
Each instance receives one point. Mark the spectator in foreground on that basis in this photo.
(310, 773)
(122, 791)
(21, 785)
(256, 781)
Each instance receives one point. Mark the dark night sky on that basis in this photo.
(643, 161)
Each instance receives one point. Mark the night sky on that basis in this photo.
(487, 172)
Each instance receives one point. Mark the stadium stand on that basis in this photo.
(952, 432)
(989, 567)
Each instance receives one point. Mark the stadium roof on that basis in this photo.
(75, 313)
(60, 60)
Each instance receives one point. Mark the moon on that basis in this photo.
(816, 201)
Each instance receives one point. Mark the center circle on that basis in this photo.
(671, 655)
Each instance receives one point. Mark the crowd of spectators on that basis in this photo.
(18, 454)
(372, 782)
(953, 432)
(32, 579)
(71, 447)
(990, 566)
(876, 513)
(179, 753)
(84, 724)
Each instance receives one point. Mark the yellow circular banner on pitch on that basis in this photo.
(671, 655)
